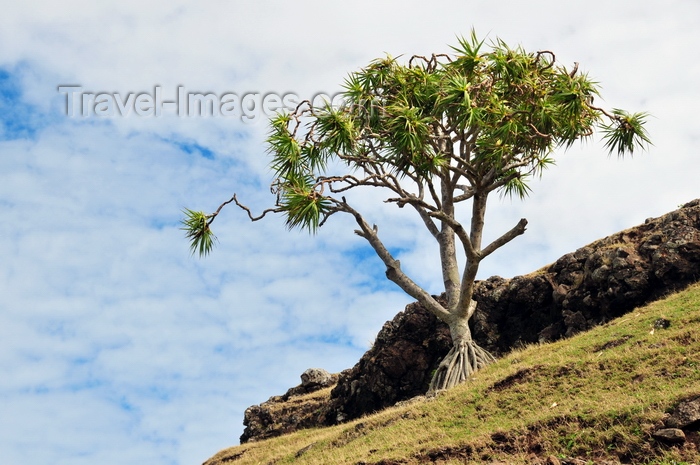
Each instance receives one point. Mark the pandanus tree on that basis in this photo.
(438, 134)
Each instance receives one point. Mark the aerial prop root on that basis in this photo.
(465, 358)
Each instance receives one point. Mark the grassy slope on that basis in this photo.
(597, 397)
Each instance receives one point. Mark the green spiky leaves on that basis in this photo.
(299, 162)
(488, 117)
(303, 205)
(626, 132)
(196, 227)
(493, 114)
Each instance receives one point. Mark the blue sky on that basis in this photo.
(119, 347)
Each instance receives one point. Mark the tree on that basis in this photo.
(433, 134)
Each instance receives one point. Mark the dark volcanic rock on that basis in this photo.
(296, 409)
(397, 367)
(582, 289)
(686, 415)
(670, 435)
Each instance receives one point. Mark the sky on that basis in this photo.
(119, 347)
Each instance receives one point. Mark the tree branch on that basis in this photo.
(468, 193)
(505, 238)
(247, 210)
(459, 230)
(218, 210)
(393, 266)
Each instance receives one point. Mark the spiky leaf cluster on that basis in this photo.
(196, 227)
(486, 116)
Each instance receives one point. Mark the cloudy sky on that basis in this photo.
(116, 345)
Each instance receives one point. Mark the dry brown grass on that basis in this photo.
(597, 396)
(313, 397)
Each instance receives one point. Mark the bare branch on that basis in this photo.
(298, 113)
(546, 52)
(433, 194)
(505, 238)
(573, 71)
(385, 180)
(606, 113)
(393, 266)
(468, 193)
(247, 210)
(544, 136)
(432, 228)
(431, 63)
(462, 169)
(218, 210)
(421, 208)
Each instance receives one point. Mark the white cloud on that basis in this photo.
(116, 346)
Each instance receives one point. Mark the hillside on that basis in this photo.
(581, 290)
(598, 397)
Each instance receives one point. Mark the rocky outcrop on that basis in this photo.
(582, 289)
(397, 367)
(300, 407)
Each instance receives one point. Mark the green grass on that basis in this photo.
(595, 397)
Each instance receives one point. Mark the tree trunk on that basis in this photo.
(465, 357)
